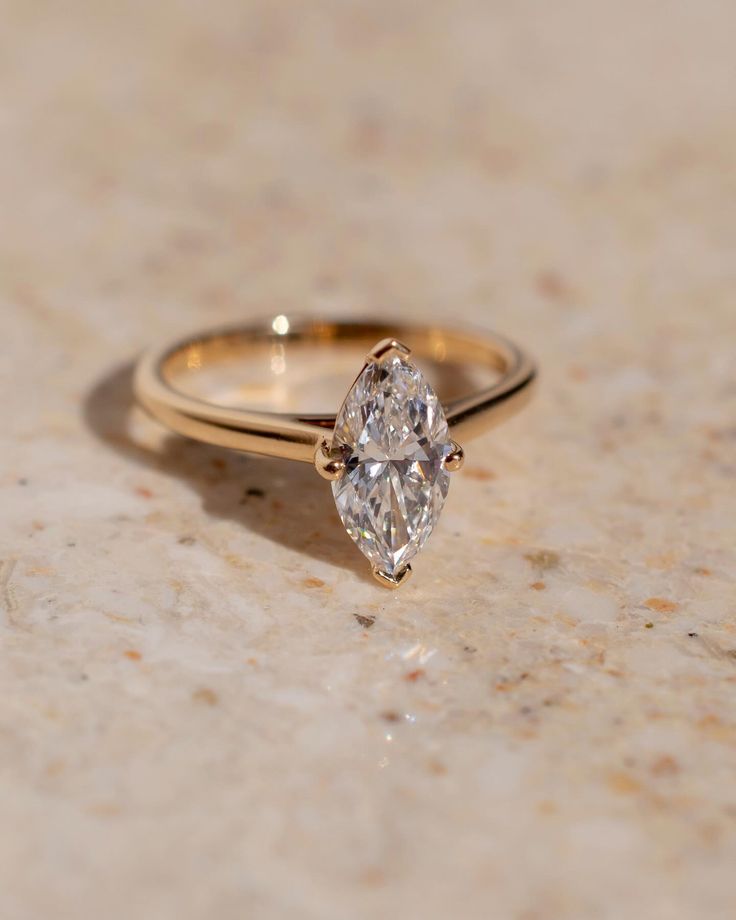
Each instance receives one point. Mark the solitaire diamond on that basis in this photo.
(392, 436)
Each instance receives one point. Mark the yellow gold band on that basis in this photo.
(297, 436)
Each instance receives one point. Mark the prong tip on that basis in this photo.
(388, 348)
(392, 580)
(328, 463)
(455, 459)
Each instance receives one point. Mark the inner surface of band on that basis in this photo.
(215, 387)
(306, 367)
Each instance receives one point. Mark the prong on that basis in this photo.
(455, 459)
(328, 463)
(387, 348)
(394, 580)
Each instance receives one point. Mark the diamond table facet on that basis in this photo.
(392, 435)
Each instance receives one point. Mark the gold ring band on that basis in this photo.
(296, 436)
(387, 452)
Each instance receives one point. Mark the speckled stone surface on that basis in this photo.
(206, 708)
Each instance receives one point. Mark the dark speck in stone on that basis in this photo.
(252, 492)
(414, 676)
(543, 559)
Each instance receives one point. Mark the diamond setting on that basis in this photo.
(391, 435)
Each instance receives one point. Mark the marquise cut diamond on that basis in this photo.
(393, 437)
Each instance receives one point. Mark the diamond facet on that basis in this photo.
(392, 435)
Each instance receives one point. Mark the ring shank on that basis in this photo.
(296, 436)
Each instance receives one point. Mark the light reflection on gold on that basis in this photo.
(278, 359)
(439, 348)
(194, 358)
(280, 324)
(278, 364)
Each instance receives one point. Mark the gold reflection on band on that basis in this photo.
(194, 358)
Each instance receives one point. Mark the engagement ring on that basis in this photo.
(390, 450)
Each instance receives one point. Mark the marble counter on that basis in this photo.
(207, 709)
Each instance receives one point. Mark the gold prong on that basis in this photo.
(388, 348)
(391, 581)
(328, 463)
(455, 459)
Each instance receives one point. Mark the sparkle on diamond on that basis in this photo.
(393, 435)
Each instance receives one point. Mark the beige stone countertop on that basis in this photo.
(207, 707)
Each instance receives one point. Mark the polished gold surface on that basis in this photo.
(387, 348)
(162, 372)
(455, 460)
(328, 464)
(391, 581)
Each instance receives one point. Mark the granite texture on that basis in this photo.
(206, 708)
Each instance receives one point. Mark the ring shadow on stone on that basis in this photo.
(281, 500)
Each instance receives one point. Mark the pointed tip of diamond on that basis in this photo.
(392, 580)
